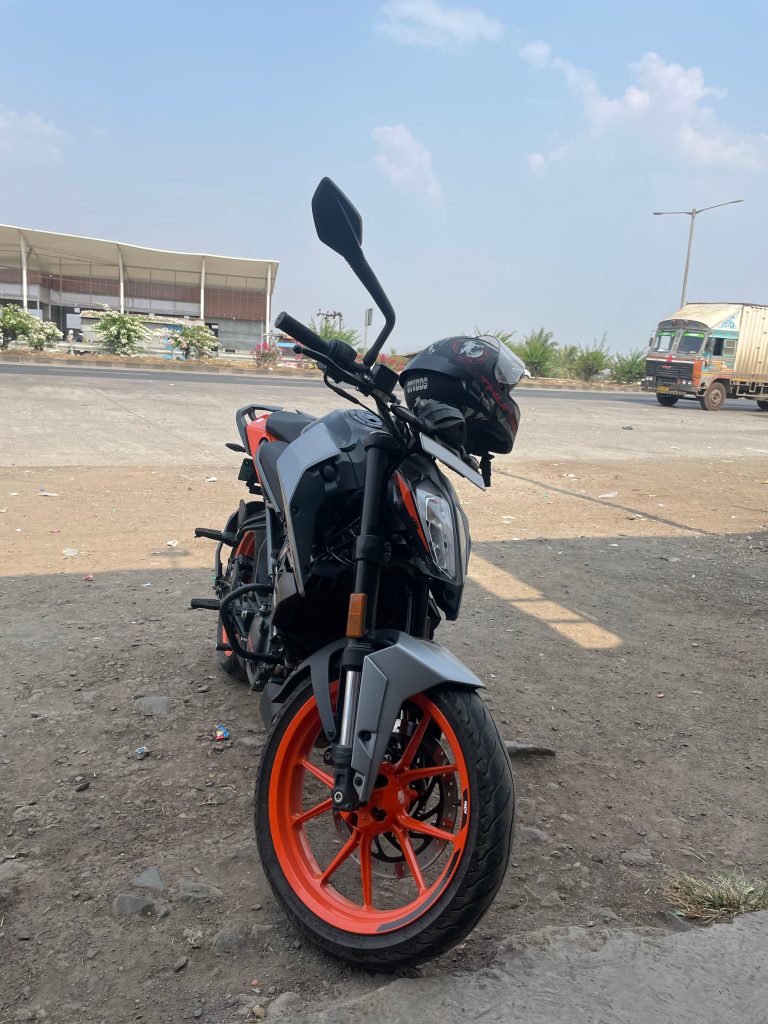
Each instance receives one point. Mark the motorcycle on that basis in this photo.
(384, 803)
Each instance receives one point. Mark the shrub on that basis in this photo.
(17, 324)
(266, 356)
(629, 368)
(539, 352)
(565, 364)
(393, 360)
(591, 362)
(122, 333)
(47, 335)
(194, 341)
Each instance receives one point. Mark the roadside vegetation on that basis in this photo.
(17, 324)
(544, 357)
(716, 896)
(194, 341)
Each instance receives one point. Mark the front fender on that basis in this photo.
(406, 666)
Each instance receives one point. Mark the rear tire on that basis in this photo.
(713, 398)
(367, 930)
(667, 399)
(762, 404)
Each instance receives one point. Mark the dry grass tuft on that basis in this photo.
(715, 896)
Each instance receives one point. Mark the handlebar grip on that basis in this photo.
(304, 335)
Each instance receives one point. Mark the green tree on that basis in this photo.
(629, 368)
(194, 341)
(122, 333)
(591, 361)
(47, 335)
(539, 352)
(329, 332)
(17, 324)
(566, 360)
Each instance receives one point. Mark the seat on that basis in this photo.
(286, 426)
(266, 465)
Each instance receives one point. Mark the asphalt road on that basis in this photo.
(262, 380)
(71, 416)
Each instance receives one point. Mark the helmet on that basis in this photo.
(476, 375)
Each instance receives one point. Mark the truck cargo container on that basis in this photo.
(710, 351)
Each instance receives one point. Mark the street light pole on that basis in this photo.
(692, 214)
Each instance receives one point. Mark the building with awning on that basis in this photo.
(59, 276)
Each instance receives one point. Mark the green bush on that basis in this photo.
(121, 333)
(591, 361)
(539, 352)
(629, 368)
(47, 335)
(16, 324)
(194, 341)
(565, 364)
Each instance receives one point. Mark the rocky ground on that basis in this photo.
(617, 611)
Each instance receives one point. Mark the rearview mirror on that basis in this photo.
(337, 222)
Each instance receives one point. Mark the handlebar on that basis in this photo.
(304, 335)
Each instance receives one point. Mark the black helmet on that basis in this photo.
(476, 375)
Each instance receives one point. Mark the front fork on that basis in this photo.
(361, 621)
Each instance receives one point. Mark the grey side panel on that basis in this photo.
(319, 666)
(390, 676)
(315, 445)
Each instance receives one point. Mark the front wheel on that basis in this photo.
(714, 397)
(667, 400)
(762, 404)
(406, 877)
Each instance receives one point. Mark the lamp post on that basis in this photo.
(692, 214)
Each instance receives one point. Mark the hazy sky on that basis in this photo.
(506, 157)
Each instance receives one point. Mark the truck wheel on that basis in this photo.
(667, 399)
(762, 404)
(713, 397)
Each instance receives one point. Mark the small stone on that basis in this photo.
(604, 914)
(256, 1013)
(157, 706)
(637, 857)
(287, 1004)
(149, 879)
(231, 938)
(203, 689)
(192, 890)
(194, 937)
(673, 921)
(250, 742)
(130, 903)
(82, 787)
(91, 953)
(180, 964)
(597, 858)
(531, 834)
(197, 1013)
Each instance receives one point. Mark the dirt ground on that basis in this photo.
(616, 610)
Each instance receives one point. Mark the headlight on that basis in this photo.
(437, 520)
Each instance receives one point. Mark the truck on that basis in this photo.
(710, 351)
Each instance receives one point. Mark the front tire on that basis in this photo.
(667, 399)
(762, 404)
(714, 397)
(410, 874)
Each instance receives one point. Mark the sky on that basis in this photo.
(506, 157)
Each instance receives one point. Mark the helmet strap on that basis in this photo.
(485, 467)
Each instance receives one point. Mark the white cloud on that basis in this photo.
(665, 99)
(537, 54)
(537, 162)
(26, 140)
(406, 162)
(429, 23)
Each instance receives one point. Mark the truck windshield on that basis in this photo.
(690, 344)
(663, 341)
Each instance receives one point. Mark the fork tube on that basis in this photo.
(369, 554)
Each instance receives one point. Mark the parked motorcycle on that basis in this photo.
(384, 803)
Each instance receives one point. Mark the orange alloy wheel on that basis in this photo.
(383, 866)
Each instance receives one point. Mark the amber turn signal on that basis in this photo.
(356, 615)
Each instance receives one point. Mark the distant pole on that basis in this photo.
(692, 214)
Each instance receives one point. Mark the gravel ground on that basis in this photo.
(616, 610)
